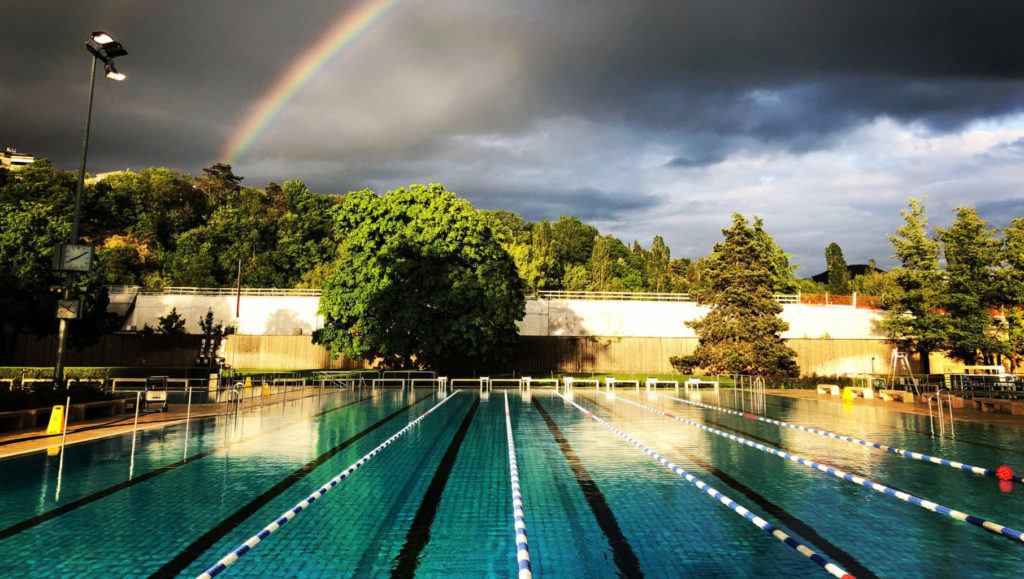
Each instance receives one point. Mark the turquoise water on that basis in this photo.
(437, 502)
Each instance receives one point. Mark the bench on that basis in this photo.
(898, 396)
(98, 409)
(832, 389)
(993, 405)
(17, 419)
(697, 383)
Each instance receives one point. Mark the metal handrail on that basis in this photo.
(639, 296)
(949, 402)
(213, 291)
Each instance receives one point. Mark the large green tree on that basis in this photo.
(971, 291)
(783, 274)
(915, 322)
(741, 333)
(421, 281)
(1012, 289)
(838, 272)
(28, 233)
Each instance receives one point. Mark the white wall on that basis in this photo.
(667, 319)
(278, 315)
(259, 315)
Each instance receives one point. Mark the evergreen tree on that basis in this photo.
(783, 274)
(838, 273)
(914, 322)
(971, 288)
(741, 334)
(601, 263)
(659, 277)
(1011, 289)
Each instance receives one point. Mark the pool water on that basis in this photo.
(438, 501)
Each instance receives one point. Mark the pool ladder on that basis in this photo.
(931, 420)
(235, 402)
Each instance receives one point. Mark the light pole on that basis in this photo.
(72, 257)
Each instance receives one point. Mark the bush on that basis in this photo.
(808, 382)
(45, 395)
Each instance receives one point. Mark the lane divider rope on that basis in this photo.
(522, 545)
(899, 451)
(762, 524)
(288, 515)
(878, 487)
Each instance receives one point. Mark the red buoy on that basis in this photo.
(1004, 473)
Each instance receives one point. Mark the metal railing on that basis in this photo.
(213, 291)
(639, 296)
(853, 301)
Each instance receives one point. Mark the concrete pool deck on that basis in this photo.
(30, 440)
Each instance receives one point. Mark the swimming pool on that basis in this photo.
(438, 500)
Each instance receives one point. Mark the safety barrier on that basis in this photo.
(288, 515)
(838, 473)
(762, 524)
(522, 545)
(528, 382)
(610, 383)
(843, 437)
(652, 384)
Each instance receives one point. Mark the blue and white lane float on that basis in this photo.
(878, 487)
(899, 451)
(762, 524)
(288, 515)
(522, 545)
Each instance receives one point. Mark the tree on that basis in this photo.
(572, 241)
(422, 281)
(783, 274)
(875, 282)
(601, 263)
(538, 266)
(914, 321)
(838, 273)
(971, 288)
(28, 233)
(1012, 289)
(219, 183)
(659, 276)
(741, 334)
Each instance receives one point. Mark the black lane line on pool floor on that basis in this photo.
(833, 551)
(192, 552)
(622, 553)
(100, 494)
(418, 535)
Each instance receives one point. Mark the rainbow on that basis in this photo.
(341, 34)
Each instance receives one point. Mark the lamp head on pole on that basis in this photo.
(104, 47)
(112, 72)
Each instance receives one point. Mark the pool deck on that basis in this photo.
(21, 442)
(965, 414)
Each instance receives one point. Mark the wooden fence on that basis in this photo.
(282, 353)
(112, 350)
(651, 355)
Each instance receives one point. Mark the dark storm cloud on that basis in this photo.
(596, 108)
(1000, 213)
(588, 203)
(689, 68)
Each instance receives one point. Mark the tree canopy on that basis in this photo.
(838, 273)
(422, 281)
(741, 334)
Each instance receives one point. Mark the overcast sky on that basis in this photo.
(642, 118)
